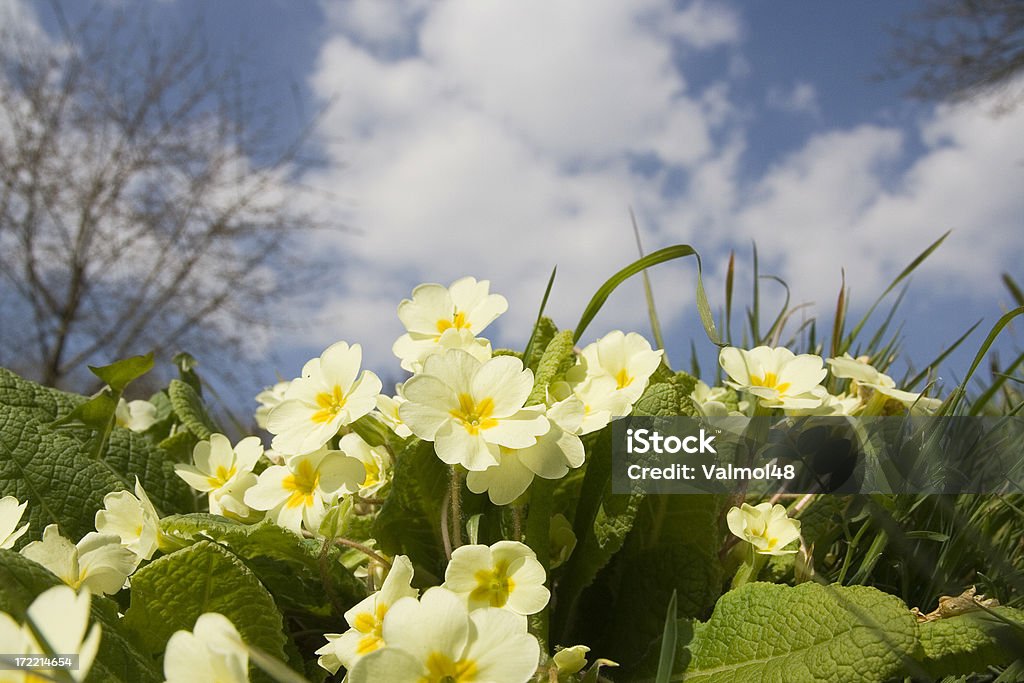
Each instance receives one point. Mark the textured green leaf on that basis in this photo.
(189, 408)
(44, 403)
(768, 632)
(971, 642)
(120, 374)
(118, 659)
(542, 336)
(410, 521)
(133, 455)
(172, 592)
(51, 472)
(558, 357)
(603, 519)
(301, 576)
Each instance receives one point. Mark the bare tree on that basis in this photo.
(145, 199)
(957, 49)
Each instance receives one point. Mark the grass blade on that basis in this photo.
(1000, 380)
(659, 341)
(892, 285)
(954, 399)
(1015, 291)
(540, 313)
(729, 280)
(910, 384)
(667, 656)
(652, 259)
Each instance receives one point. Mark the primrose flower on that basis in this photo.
(269, 399)
(367, 620)
(375, 460)
(98, 562)
(327, 396)
(466, 308)
(626, 358)
(436, 639)
(470, 409)
(298, 493)
(137, 416)
(133, 519)
(711, 401)
(867, 377)
(570, 660)
(600, 398)
(61, 616)
(551, 457)
(776, 376)
(388, 407)
(506, 575)
(11, 512)
(224, 472)
(212, 651)
(767, 528)
(415, 353)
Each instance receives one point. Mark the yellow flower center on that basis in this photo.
(372, 474)
(301, 485)
(441, 669)
(458, 321)
(330, 405)
(623, 379)
(221, 476)
(475, 416)
(371, 624)
(493, 586)
(769, 381)
(760, 530)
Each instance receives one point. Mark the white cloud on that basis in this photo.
(506, 138)
(802, 98)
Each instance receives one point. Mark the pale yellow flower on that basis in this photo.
(766, 527)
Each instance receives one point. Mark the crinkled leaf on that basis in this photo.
(189, 408)
(810, 632)
(410, 521)
(170, 593)
(44, 403)
(120, 374)
(133, 455)
(558, 357)
(301, 576)
(971, 642)
(53, 474)
(543, 333)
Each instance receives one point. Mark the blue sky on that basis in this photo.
(500, 139)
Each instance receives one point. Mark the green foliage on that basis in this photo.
(120, 374)
(189, 408)
(558, 357)
(970, 642)
(172, 592)
(810, 632)
(303, 575)
(410, 520)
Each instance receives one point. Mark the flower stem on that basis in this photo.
(752, 565)
(456, 503)
(538, 532)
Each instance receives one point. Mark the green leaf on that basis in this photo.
(558, 357)
(44, 404)
(170, 593)
(531, 344)
(971, 642)
(118, 659)
(543, 333)
(95, 413)
(132, 455)
(410, 521)
(120, 374)
(297, 571)
(810, 632)
(668, 641)
(53, 473)
(189, 408)
(653, 259)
